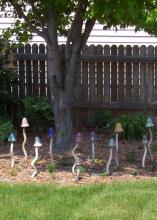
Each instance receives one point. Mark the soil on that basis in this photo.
(130, 158)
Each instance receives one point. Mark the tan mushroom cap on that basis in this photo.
(24, 123)
(118, 128)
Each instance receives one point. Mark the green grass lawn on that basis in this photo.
(117, 201)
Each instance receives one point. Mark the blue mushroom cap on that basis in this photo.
(50, 132)
(12, 137)
(149, 123)
(111, 142)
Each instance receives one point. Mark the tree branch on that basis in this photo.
(88, 28)
(21, 14)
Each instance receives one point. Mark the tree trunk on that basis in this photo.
(61, 100)
(63, 122)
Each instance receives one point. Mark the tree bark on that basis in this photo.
(63, 121)
(61, 101)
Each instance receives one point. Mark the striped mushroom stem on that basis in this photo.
(33, 163)
(145, 142)
(149, 144)
(116, 150)
(12, 154)
(24, 142)
(51, 153)
(109, 161)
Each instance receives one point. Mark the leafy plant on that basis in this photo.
(15, 170)
(38, 111)
(101, 118)
(8, 76)
(83, 169)
(65, 161)
(51, 167)
(153, 167)
(6, 127)
(133, 125)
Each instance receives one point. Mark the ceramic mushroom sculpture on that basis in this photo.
(24, 125)
(77, 163)
(145, 143)
(37, 144)
(149, 125)
(111, 145)
(92, 138)
(118, 129)
(12, 139)
(51, 136)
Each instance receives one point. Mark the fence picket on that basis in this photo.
(142, 76)
(92, 89)
(150, 76)
(99, 75)
(114, 75)
(128, 75)
(35, 72)
(121, 95)
(42, 74)
(28, 72)
(21, 68)
(136, 75)
(107, 94)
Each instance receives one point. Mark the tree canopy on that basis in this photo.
(32, 16)
(75, 20)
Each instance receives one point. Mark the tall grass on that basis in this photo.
(117, 201)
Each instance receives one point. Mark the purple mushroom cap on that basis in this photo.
(78, 138)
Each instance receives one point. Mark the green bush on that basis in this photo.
(133, 125)
(6, 127)
(8, 76)
(101, 118)
(38, 111)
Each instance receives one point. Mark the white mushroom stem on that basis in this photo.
(23, 144)
(144, 155)
(33, 163)
(12, 154)
(76, 169)
(93, 151)
(149, 144)
(73, 151)
(75, 156)
(116, 150)
(51, 153)
(109, 161)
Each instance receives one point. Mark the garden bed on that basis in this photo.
(130, 157)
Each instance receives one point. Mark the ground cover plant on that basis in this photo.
(38, 111)
(133, 125)
(125, 200)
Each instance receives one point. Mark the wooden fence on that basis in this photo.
(107, 77)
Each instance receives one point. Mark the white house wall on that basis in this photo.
(98, 35)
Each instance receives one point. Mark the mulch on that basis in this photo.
(130, 158)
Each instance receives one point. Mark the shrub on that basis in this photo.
(133, 125)
(101, 118)
(6, 127)
(8, 76)
(38, 111)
